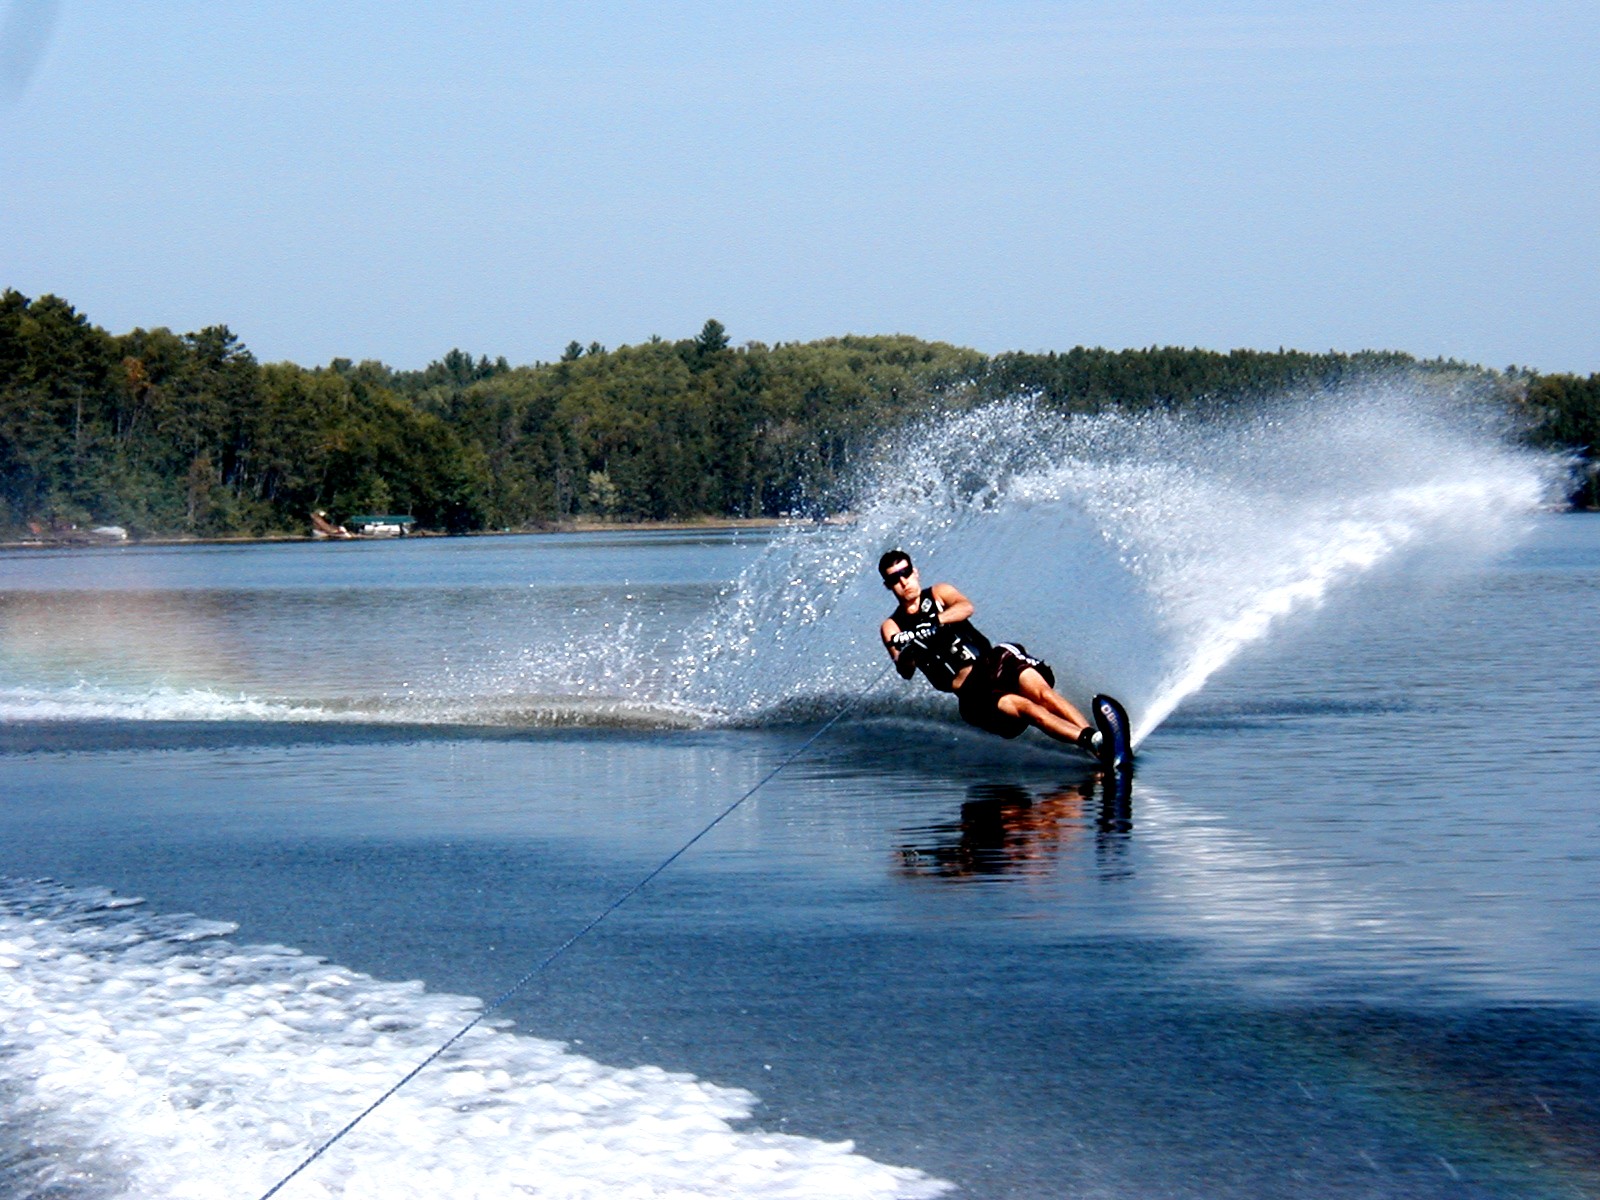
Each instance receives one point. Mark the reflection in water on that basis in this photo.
(1006, 830)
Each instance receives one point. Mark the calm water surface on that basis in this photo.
(1336, 938)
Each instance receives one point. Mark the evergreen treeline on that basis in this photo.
(166, 433)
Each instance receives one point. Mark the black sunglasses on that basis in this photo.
(890, 578)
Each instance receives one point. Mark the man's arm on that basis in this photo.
(887, 631)
(901, 648)
(956, 606)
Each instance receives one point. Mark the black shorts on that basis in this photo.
(998, 672)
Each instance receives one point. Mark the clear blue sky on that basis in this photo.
(389, 180)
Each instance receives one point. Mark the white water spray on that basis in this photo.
(1139, 554)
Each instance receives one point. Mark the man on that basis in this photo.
(1000, 688)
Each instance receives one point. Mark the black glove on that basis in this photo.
(906, 664)
(908, 642)
(904, 639)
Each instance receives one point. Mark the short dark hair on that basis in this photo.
(892, 557)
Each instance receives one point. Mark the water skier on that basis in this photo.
(999, 687)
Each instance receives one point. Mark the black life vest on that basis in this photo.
(948, 652)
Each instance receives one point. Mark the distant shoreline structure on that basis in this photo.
(688, 525)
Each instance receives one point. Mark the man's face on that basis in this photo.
(901, 579)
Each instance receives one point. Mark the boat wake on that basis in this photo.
(149, 1056)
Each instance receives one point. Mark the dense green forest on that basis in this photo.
(166, 433)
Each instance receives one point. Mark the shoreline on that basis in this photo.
(574, 526)
(86, 542)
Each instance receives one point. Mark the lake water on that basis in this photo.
(1337, 936)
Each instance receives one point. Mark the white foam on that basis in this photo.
(148, 1057)
(98, 702)
(86, 701)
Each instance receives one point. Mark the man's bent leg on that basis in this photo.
(1036, 690)
(1041, 717)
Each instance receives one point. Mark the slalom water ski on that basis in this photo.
(1111, 719)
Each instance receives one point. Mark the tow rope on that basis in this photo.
(545, 962)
